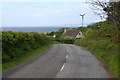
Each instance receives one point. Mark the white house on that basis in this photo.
(69, 33)
(54, 36)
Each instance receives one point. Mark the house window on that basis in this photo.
(79, 33)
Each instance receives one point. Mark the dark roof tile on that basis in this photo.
(71, 33)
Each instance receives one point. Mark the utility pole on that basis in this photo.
(82, 18)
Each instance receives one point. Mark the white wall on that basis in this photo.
(80, 35)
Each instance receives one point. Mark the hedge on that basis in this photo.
(15, 44)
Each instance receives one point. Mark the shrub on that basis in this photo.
(15, 44)
(66, 40)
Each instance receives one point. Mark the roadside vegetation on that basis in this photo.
(102, 38)
(98, 39)
(18, 47)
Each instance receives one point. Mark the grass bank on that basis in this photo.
(27, 56)
(105, 51)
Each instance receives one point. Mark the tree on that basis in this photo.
(111, 10)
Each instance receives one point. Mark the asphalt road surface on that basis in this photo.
(60, 61)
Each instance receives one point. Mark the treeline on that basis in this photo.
(16, 44)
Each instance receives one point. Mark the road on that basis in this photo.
(60, 61)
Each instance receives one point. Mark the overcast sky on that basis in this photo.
(46, 14)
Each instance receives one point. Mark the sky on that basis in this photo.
(44, 14)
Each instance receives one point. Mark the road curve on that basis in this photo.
(60, 61)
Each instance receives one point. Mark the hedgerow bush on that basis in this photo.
(15, 44)
(65, 40)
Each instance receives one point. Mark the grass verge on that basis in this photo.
(27, 56)
(105, 51)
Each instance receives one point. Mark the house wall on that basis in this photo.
(80, 35)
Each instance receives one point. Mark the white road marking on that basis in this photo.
(66, 56)
(62, 67)
(64, 63)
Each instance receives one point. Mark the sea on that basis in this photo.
(31, 29)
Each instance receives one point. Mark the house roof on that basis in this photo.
(71, 33)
